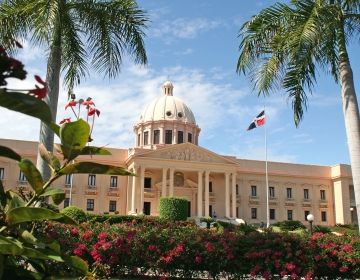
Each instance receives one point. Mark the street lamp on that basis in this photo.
(310, 218)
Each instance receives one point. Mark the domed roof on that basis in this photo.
(167, 107)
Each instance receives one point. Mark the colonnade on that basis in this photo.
(203, 203)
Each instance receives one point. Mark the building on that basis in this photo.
(168, 162)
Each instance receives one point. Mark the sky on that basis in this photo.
(195, 45)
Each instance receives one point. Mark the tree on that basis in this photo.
(76, 33)
(285, 44)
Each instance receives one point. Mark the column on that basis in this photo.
(162, 135)
(142, 175)
(207, 173)
(133, 192)
(227, 196)
(141, 137)
(200, 193)
(233, 193)
(175, 141)
(163, 187)
(171, 189)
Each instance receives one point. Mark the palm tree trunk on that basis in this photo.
(352, 124)
(53, 80)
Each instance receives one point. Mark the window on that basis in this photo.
(272, 214)
(290, 215)
(237, 212)
(180, 137)
(178, 179)
(113, 181)
(92, 180)
(289, 193)
(237, 189)
(66, 202)
(306, 193)
(147, 182)
(253, 213)
(210, 187)
(22, 177)
(189, 137)
(2, 173)
(168, 136)
(322, 195)
(146, 138)
(156, 136)
(112, 205)
(323, 216)
(306, 213)
(90, 204)
(68, 179)
(253, 191)
(271, 192)
(139, 140)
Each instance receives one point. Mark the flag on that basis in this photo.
(258, 121)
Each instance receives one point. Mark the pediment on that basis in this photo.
(187, 152)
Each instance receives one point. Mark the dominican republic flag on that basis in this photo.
(258, 121)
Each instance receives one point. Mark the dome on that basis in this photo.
(167, 107)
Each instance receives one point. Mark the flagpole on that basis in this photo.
(266, 178)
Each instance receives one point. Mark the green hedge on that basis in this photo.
(75, 213)
(289, 225)
(173, 208)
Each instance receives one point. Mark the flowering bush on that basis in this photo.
(153, 246)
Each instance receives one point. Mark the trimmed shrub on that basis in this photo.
(246, 228)
(75, 213)
(173, 208)
(322, 229)
(290, 225)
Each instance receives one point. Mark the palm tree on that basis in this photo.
(285, 44)
(76, 33)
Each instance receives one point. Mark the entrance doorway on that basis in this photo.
(189, 209)
(147, 208)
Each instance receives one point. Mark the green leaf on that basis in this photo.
(32, 175)
(55, 246)
(14, 200)
(91, 150)
(9, 153)
(26, 104)
(10, 247)
(78, 263)
(42, 254)
(2, 258)
(57, 195)
(54, 127)
(94, 168)
(74, 137)
(30, 214)
(49, 157)
(28, 237)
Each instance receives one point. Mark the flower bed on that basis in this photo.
(158, 248)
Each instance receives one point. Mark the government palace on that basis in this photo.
(168, 161)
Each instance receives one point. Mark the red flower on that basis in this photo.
(294, 276)
(74, 232)
(331, 264)
(209, 246)
(88, 103)
(102, 235)
(39, 80)
(317, 258)
(80, 250)
(39, 93)
(343, 269)
(86, 235)
(92, 111)
(71, 103)
(152, 247)
(198, 259)
(67, 120)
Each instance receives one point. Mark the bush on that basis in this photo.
(322, 229)
(173, 208)
(246, 229)
(289, 225)
(75, 213)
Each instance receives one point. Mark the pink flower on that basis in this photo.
(347, 248)
(102, 235)
(294, 276)
(88, 102)
(152, 247)
(343, 269)
(317, 258)
(86, 235)
(198, 259)
(38, 92)
(266, 275)
(290, 266)
(80, 250)
(283, 273)
(74, 232)
(331, 264)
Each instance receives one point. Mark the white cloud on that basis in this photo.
(183, 28)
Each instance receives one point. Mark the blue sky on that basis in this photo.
(195, 45)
